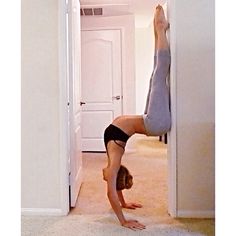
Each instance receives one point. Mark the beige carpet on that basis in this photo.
(147, 161)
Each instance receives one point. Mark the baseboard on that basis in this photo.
(41, 212)
(195, 214)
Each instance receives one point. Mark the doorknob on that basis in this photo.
(82, 103)
(116, 97)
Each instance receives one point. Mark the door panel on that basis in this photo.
(92, 130)
(74, 95)
(101, 84)
(97, 71)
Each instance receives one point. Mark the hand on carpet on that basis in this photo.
(134, 225)
(132, 205)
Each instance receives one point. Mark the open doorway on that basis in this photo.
(127, 107)
(146, 158)
(150, 148)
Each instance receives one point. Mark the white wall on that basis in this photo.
(40, 105)
(144, 51)
(194, 75)
(126, 23)
(195, 102)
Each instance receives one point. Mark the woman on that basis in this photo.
(155, 122)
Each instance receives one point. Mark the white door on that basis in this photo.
(101, 85)
(74, 94)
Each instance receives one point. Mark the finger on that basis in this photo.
(132, 227)
(140, 226)
(136, 227)
(129, 227)
(132, 220)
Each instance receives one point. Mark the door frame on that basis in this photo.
(172, 135)
(63, 129)
(63, 109)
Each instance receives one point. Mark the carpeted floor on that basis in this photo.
(147, 161)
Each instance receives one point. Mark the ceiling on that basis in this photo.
(142, 9)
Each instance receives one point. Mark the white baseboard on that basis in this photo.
(41, 212)
(195, 214)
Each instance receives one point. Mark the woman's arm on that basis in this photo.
(113, 197)
(121, 198)
(115, 154)
(114, 201)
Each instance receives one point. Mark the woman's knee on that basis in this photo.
(155, 127)
(162, 128)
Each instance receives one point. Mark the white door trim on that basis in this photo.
(172, 135)
(63, 132)
(64, 168)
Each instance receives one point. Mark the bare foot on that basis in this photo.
(160, 21)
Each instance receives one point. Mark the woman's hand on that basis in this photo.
(132, 205)
(133, 224)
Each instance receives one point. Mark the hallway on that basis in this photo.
(147, 162)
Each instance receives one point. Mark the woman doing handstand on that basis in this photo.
(155, 122)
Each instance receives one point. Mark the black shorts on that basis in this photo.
(114, 133)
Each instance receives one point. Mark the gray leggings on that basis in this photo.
(157, 117)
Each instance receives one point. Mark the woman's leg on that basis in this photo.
(150, 83)
(154, 67)
(157, 121)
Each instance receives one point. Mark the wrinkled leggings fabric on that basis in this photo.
(157, 116)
